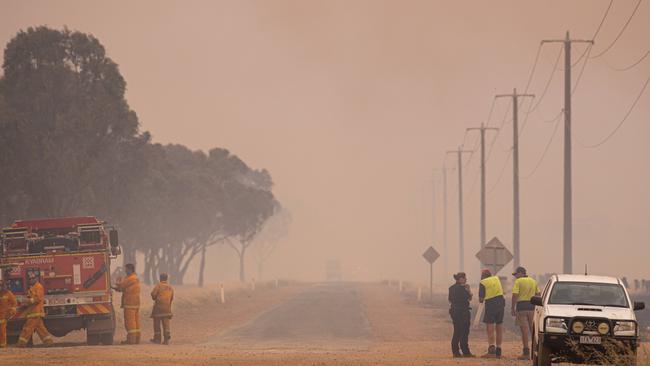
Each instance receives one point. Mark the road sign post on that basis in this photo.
(430, 255)
(494, 255)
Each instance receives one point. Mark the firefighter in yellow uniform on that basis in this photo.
(34, 313)
(7, 310)
(162, 295)
(130, 289)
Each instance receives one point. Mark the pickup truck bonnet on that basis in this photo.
(570, 311)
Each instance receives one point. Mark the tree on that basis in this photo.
(274, 230)
(66, 117)
(245, 214)
(70, 145)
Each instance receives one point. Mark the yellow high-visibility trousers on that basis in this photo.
(164, 323)
(34, 325)
(132, 325)
(3, 333)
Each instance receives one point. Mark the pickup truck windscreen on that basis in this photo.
(586, 293)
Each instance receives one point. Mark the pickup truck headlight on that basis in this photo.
(578, 327)
(603, 328)
(555, 325)
(625, 328)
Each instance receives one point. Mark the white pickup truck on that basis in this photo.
(584, 319)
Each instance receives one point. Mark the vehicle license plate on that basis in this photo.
(590, 340)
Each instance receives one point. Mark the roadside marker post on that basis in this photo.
(223, 295)
(430, 255)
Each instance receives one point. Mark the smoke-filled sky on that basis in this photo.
(352, 105)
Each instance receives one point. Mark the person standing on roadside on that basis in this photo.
(7, 310)
(491, 293)
(130, 289)
(522, 309)
(460, 295)
(162, 295)
(34, 310)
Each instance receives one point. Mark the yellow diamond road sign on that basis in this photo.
(431, 255)
(494, 255)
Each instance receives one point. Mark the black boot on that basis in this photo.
(491, 353)
(167, 338)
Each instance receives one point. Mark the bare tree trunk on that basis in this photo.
(147, 273)
(242, 260)
(202, 266)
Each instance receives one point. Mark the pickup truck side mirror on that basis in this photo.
(537, 301)
(113, 238)
(639, 305)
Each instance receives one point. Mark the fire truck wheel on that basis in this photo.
(107, 339)
(92, 339)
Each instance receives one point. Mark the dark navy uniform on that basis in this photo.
(460, 316)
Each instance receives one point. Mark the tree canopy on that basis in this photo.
(71, 145)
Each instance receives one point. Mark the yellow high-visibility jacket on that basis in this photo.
(130, 289)
(492, 287)
(163, 295)
(7, 305)
(35, 301)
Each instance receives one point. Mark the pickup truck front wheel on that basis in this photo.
(541, 354)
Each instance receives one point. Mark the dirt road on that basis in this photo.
(330, 324)
(325, 315)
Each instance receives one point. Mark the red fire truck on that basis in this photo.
(72, 256)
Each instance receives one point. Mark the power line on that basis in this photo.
(532, 70)
(464, 138)
(498, 131)
(604, 140)
(602, 21)
(548, 145)
(492, 142)
(632, 65)
(584, 53)
(532, 107)
(552, 120)
(582, 70)
(489, 118)
(528, 83)
(503, 169)
(496, 136)
(621, 31)
(548, 83)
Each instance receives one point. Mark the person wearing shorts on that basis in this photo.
(490, 292)
(522, 309)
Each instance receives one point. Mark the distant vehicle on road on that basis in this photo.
(584, 319)
(333, 270)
